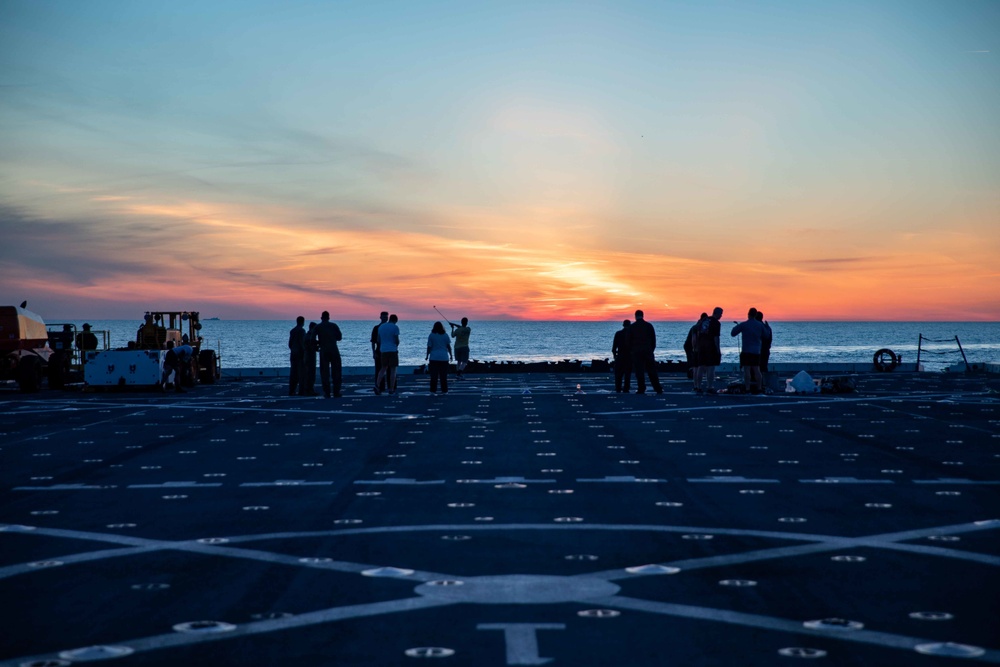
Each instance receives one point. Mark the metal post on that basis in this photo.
(920, 342)
(967, 369)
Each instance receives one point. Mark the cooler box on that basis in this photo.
(117, 368)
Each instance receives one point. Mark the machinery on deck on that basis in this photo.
(24, 347)
(141, 363)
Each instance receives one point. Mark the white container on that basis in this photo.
(121, 368)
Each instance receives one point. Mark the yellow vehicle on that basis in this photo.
(141, 363)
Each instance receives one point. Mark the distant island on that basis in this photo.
(211, 319)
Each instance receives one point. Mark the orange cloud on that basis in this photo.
(532, 263)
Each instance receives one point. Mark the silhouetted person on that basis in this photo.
(708, 349)
(327, 335)
(185, 353)
(388, 336)
(377, 350)
(765, 343)
(461, 335)
(146, 336)
(173, 363)
(86, 341)
(691, 350)
(438, 356)
(296, 355)
(642, 340)
(311, 347)
(752, 331)
(621, 350)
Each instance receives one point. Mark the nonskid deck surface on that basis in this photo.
(519, 520)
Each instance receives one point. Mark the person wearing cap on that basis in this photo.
(86, 341)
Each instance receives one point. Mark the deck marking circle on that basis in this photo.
(520, 589)
(387, 572)
(429, 652)
(96, 653)
(584, 557)
(599, 613)
(848, 559)
(653, 568)
(737, 583)
(932, 616)
(835, 624)
(951, 650)
(801, 652)
(204, 627)
(271, 615)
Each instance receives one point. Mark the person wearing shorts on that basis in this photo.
(752, 331)
(691, 350)
(708, 350)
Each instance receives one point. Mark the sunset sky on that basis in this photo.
(536, 160)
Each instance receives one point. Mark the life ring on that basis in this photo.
(885, 360)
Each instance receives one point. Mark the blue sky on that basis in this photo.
(561, 159)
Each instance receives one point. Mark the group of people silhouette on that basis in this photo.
(633, 349)
(304, 344)
(634, 344)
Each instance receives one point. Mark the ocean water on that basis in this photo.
(263, 343)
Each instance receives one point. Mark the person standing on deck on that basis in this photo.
(621, 351)
(438, 356)
(642, 340)
(691, 350)
(752, 332)
(461, 335)
(86, 341)
(327, 335)
(376, 350)
(708, 349)
(765, 344)
(388, 337)
(296, 354)
(310, 347)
